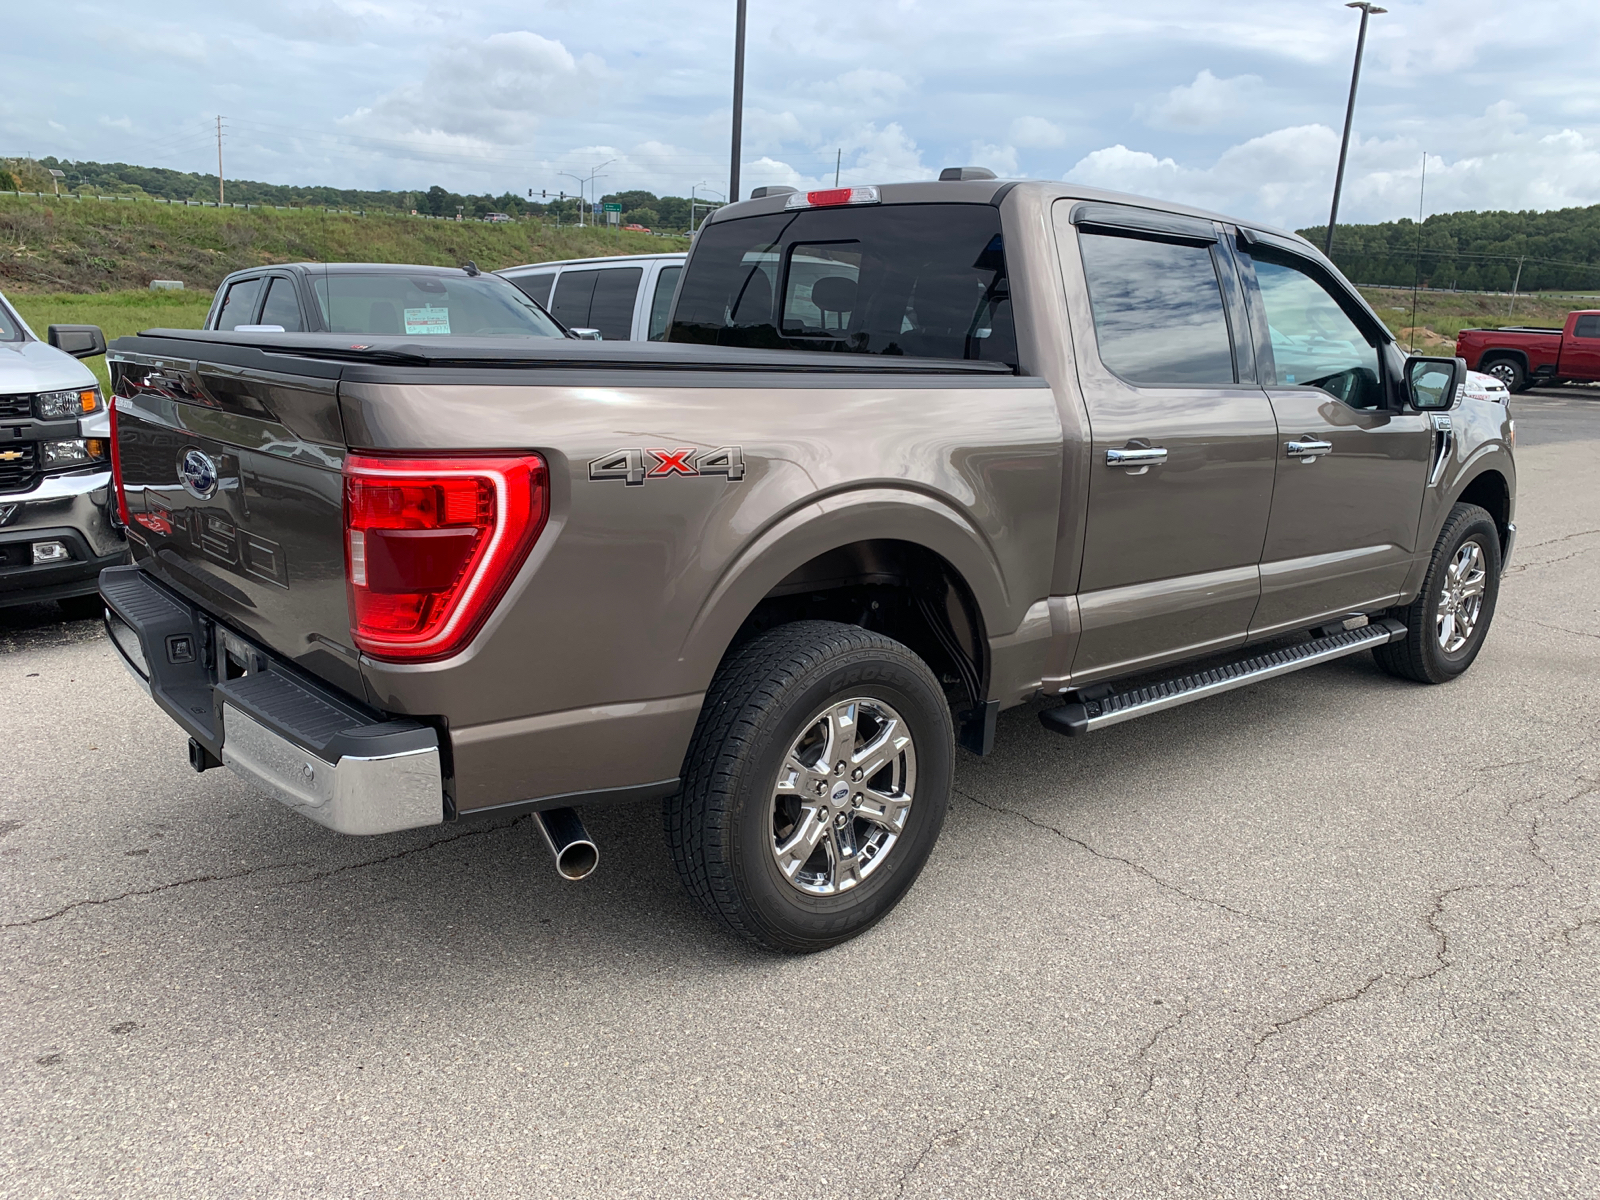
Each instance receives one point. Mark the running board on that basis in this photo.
(1085, 715)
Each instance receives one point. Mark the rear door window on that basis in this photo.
(1587, 326)
(616, 291)
(573, 296)
(282, 307)
(239, 303)
(927, 280)
(661, 301)
(1159, 318)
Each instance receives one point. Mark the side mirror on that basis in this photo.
(584, 334)
(1432, 383)
(80, 341)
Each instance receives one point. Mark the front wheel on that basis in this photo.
(1446, 624)
(815, 785)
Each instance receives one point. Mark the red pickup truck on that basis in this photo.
(1521, 357)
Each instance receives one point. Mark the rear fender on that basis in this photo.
(840, 519)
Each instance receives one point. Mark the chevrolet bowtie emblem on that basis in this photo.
(10, 455)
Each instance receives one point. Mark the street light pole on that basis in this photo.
(1367, 10)
(738, 102)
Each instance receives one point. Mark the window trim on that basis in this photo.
(1244, 370)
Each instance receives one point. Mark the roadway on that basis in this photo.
(1335, 935)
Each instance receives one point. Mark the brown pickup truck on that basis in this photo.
(1521, 357)
(912, 455)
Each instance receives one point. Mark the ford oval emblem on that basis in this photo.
(198, 474)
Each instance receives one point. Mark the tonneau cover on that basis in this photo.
(466, 352)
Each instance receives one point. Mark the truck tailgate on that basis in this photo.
(235, 498)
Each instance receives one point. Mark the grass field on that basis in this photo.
(80, 246)
(1442, 315)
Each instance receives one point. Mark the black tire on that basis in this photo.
(721, 825)
(1509, 372)
(83, 608)
(1421, 656)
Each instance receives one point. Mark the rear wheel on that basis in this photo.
(1446, 624)
(1509, 372)
(815, 786)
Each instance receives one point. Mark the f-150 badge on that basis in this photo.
(634, 466)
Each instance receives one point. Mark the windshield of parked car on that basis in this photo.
(391, 302)
(927, 280)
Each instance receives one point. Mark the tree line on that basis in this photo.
(124, 179)
(1473, 251)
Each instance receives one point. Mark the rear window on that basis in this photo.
(926, 280)
(427, 305)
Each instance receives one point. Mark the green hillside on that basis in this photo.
(1474, 251)
(79, 246)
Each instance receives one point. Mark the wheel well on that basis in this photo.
(1495, 354)
(899, 589)
(1490, 493)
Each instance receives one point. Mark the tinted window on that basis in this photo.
(423, 305)
(926, 280)
(615, 293)
(1314, 342)
(10, 329)
(661, 302)
(536, 285)
(281, 307)
(1158, 314)
(1588, 326)
(239, 304)
(574, 294)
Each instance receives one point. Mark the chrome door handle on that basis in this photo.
(1137, 456)
(1308, 449)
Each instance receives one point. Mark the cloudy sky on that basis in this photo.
(1234, 106)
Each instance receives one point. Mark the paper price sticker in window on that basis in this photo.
(427, 320)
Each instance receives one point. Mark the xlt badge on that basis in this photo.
(634, 466)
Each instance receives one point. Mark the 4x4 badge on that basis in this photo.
(634, 466)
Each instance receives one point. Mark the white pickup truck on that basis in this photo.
(57, 525)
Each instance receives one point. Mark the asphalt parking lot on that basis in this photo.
(1335, 935)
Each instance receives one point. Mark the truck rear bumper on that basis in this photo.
(323, 754)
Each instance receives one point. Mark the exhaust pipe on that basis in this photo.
(575, 854)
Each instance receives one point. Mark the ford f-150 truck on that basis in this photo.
(1520, 357)
(911, 455)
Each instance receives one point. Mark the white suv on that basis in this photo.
(627, 298)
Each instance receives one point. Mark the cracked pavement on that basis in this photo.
(1334, 935)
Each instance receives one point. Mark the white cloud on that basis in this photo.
(1204, 104)
(491, 92)
(1002, 160)
(1286, 176)
(1037, 132)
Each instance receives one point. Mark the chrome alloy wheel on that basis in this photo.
(1461, 598)
(843, 795)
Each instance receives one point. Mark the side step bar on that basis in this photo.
(1113, 707)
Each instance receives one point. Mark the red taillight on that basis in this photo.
(431, 545)
(116, 466)
(832, 196)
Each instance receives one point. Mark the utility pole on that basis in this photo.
(738, 102)
(1367, 10)
(838, 158)
(219, 161)
(1514, 283)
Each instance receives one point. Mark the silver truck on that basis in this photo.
(57, 521)
(911, 455)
